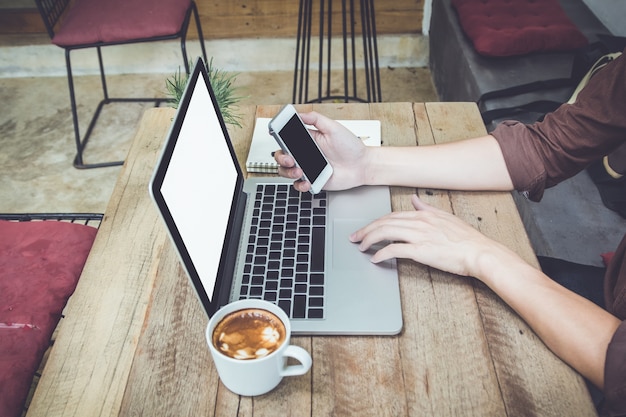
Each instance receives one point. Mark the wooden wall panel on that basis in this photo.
(279, 18)
(21, 21)
(223, 19)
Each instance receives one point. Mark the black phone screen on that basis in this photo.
(302, 148)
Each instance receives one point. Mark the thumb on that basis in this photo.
(419, 204)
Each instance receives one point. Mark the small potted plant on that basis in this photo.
(223, 87)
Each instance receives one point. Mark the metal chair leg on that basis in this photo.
(79, 154)
(81, 143)
(199, 30)
(183, 38)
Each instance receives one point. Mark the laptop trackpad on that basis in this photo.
(346, 255)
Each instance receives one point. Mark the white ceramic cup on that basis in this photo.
(257, 376)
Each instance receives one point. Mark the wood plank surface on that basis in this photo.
(133, 342)
(507, 336)
(88, 367)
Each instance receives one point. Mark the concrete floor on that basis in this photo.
(37, 139)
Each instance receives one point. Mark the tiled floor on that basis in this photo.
(37, 138)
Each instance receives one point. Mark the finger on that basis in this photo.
(284, 159)
(418, 204)
(312, 118)
(293, 173)
(391, 251)
(302, 186)
(392, 232)
(388, 219)
(323, 125)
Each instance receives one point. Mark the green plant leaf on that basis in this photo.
(223, 87)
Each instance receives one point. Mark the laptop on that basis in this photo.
(260, 238)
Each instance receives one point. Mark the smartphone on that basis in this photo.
(295, 139)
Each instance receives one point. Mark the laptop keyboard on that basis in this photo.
(284, 261)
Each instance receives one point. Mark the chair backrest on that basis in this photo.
(51, 12)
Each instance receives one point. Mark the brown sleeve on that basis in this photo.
(615, 374)
(615, 282)
(541, 155)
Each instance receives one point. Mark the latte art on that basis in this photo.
(249, 334)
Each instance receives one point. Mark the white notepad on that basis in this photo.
(260, 157)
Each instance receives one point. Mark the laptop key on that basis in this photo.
(317, 279)
(316, 313)
(299, 306)
(286, 306)
(317, 249)
(316, 302)
(316, 291)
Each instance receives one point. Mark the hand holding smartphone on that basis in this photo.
(295, 139)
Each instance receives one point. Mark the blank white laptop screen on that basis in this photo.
(201, 208)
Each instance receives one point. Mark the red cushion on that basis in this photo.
(92, 21)
(517, 27)
(40, 263)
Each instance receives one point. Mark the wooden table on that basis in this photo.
(133, 339)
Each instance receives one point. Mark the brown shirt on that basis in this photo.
(543, 154)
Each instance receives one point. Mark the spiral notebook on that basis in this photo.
(260, 157)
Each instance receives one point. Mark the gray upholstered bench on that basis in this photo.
(571, 221)
(461, 74)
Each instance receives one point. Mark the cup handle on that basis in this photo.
(301, 356)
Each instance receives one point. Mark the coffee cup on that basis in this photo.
(249, 343)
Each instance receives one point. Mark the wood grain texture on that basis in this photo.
(133, 342)
(22, 20)
(225, 19)
(89, 364)
(507, 336)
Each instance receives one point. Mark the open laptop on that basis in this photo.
(295, 253)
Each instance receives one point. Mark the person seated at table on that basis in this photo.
(528, 158)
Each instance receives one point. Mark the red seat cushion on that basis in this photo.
(40, 263)
(517, 27)
(111, 21)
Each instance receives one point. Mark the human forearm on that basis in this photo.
(473, 164)
(574, 328)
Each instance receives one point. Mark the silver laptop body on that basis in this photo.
(209, 210)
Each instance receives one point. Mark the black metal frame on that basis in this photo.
(83, 218)
(51, 12)
(369, 49)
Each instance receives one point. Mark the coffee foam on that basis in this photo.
(249, 334)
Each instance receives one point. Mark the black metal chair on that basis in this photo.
(81, 24)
